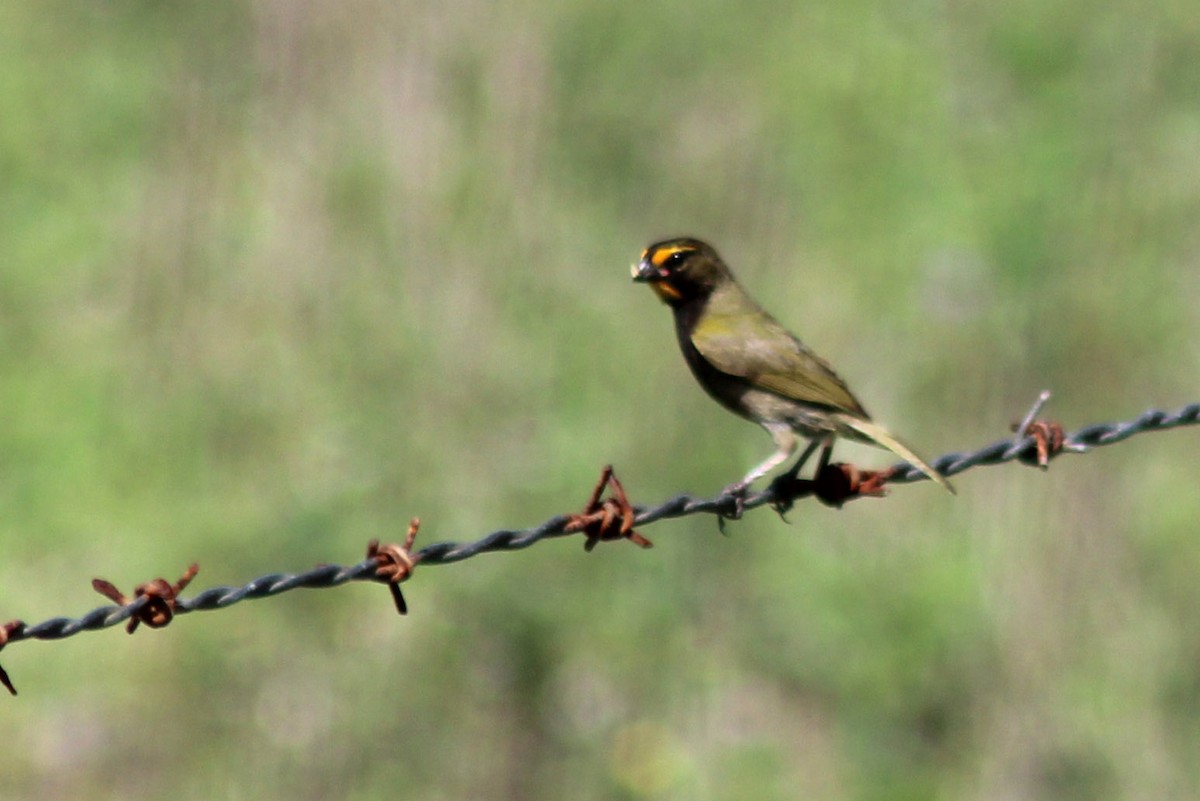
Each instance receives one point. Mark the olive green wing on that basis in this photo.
(747, 342)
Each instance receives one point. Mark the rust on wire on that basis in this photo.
(838, 483)
(1048, 439)
(159, 606)
(7, 630)
(395, 563)
(1047, 435)
(608, 519)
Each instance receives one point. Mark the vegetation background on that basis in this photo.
(278, 275)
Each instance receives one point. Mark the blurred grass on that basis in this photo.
(279, 276)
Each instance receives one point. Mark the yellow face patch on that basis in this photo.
(659, 257)
(665, 291)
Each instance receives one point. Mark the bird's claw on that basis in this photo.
(786, 488)
(736, 493)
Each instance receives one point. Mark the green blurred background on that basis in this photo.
(276, 276)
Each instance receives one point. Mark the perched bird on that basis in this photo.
(752, 365)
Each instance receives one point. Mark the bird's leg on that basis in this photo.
(785, 444)
(826, 452)
(788, 486)
(794, 470)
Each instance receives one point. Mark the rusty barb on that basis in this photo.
(395, 563)
(610, 519)
(160, 596)
(1048, 435)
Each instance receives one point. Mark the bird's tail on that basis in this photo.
(877, 434)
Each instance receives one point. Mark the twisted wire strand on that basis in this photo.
(683, 505)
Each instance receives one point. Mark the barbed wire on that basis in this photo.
(155, 602)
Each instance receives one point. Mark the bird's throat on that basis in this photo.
(666, 291)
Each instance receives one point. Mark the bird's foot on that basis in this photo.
(786, 488)
(736, 492)
(833, 485)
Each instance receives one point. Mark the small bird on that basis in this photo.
(752, 365)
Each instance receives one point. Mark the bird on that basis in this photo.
(753, 366)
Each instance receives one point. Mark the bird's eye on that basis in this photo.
(677, 258)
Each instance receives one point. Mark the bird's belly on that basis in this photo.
(806, 419)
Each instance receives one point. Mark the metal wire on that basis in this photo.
(683, 505)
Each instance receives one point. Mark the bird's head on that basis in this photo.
(681, 270)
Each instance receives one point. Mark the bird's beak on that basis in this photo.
(645, 272)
